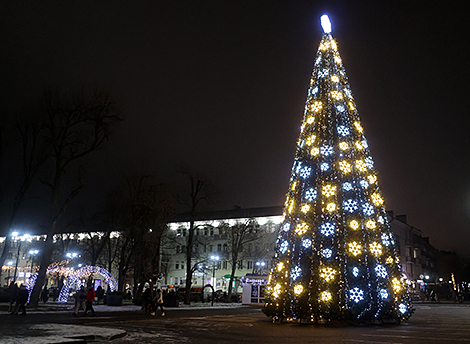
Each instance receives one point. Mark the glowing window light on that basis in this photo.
(305, 208)
(381, 271)
(341, 108)
(350, 205)
(361, 166)
(396, 285)
(298, 289)
(368, 209)
(283, 247)
(324, 166)
(325, 296)
(295, 273)
(347, 186)
(334, 78)
(402, 308)
(277, 290)
(301, 228)
(310, 140)
(356, 294)
(336, 95)
(305, 172)
(364, 143)
(327, 229)
(355, 248)
(328, 190)
(375, 248)
(328, 274)
(358, 127)
(358, 145)
(383, 294)
(331, 207)
(372, 179)
(364, 183)
(345, 166)
(337, 59)
(286, 227)
(316, 106)
(389, 260)
(354, 224)
(325, 23)
(371, 224)
(315, 151)
(355, 271)
(385, 239)
(310, 194)
(326, 150)
(280, 266)
(327, 253)
(377, 199)
(307, 243)
(343, 146)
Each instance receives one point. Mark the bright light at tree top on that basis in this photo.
(325, 23)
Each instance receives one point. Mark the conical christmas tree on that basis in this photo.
(335, 256)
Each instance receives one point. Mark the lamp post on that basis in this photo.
(214, 260)
(32, 253)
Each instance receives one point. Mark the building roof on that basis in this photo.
(236, 213)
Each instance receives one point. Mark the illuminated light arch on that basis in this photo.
(75, 279)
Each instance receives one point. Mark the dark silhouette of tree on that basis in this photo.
(75, 125)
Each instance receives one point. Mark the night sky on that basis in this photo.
(220, 87)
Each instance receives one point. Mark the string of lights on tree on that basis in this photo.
(335, 256)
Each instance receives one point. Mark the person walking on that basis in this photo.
(80, 298)
(147, 298)
(90, 297)
(158, 302)
(13, 291)
(21, 300)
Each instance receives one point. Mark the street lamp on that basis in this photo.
(214, 260)
(32, 253)
(72, 255)
(260, 266)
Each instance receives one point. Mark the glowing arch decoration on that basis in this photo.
(76, 276)
(74, 279)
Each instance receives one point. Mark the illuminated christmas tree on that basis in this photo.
(335, 256)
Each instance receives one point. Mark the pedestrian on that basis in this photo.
(90, 297)
(21, 300)
(158, 302)
(45, 294)
(147, 298)
(99, 294)
(80, 299)
(13, 291)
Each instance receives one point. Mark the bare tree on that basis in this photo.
(27, 132)
(239, 236)
(74, 127)
(195, 195)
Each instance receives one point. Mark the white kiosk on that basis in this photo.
(253, 289)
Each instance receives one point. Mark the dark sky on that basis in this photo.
(220, 86)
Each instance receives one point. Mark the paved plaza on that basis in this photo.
(431, 323)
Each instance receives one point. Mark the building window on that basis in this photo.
(212, 231)
(225, 247)
(225, 265)
(210, 248)
(178, 248)
(219, 264)
(240, 264)
(219, 247)
(415, 253)
(176, 280)
(206, 231)
(177, 266)
(182, 266)
(249, 264)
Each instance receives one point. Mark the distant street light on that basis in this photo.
(32, 253)
(214, 260)
(72, 255)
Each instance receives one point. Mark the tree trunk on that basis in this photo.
(189, 271)
(45, 261)
(232, 277)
